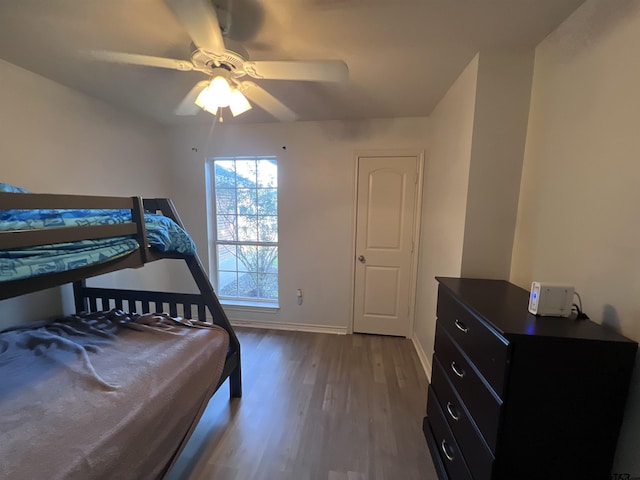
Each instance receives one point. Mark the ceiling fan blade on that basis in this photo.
(201, 22)
(146, 60)
(321, 70)
(188, 104)
(267, 102)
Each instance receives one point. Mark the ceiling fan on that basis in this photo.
(226, 68)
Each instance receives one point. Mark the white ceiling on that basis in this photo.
(402, 54)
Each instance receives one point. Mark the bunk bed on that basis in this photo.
(115, 390)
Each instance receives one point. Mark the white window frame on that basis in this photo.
(234, 302)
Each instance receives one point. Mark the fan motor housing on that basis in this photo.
(207, 61)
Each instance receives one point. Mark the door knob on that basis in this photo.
(362, 259)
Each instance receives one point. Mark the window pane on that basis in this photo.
(227, 257)
(227, 225)
(268, 285)
(225, 173)
(225, 201)
(268, 229)
(247, 228)
(246, 173)
(248, 285)
(247, 258)
(267, 173)
(267, 201)
(267, 259)
(247, 201)
(228, 284)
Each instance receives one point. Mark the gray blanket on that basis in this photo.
(105, 396)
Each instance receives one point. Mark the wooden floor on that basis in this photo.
(315, 407)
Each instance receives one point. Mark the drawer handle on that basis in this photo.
(447, 450)
(457, 370)
(461, 326)
(453, 411)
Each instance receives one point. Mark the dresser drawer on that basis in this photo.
(487, 349)
(474, 449)
(445, 443)
(480, 400)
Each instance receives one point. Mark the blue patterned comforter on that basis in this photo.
(162, 233)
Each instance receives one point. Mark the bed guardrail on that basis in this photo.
(186, 305)
(13, 239)
(201, 307)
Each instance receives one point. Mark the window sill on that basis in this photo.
(236, 306)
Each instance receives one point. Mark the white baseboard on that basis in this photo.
(294, 327)
(424, 360)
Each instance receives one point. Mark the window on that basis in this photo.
(246, 234)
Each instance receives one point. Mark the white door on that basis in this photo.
(384, 253)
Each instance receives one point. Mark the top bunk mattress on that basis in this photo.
(105, 395)
(162, 233)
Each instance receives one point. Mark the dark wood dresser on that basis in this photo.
(516, 397)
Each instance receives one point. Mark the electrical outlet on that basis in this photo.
(300, 295)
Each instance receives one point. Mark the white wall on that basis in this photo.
(499, 132)
(444, 200)
(578, 215)
(57, 140)
(60, 141)
(316, 195)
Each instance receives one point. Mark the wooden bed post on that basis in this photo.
(235, 379)
(78, 295)
(206, 290)
(137, 216)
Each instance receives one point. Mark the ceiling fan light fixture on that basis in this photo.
(215, 95)
(238, 103)
(207, 101)
(219, 94)
(220, 91)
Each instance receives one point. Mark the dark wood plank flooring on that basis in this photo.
(315, 407)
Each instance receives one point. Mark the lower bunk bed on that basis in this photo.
(115, 390)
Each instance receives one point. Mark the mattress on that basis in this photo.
(107, 395)
(162, 233)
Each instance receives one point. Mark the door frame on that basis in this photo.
(419, 155)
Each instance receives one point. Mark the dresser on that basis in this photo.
(516, 397)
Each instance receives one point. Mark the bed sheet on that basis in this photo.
(104, 395)
(162, 233)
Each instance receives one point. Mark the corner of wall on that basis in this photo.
(444, 198)
(499, 135)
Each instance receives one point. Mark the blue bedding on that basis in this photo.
(162, 234)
